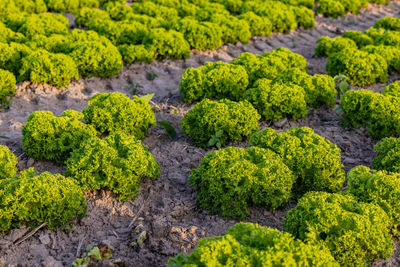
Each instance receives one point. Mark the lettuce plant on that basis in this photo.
(200, 35)
(319, 89)
(314, 160)
(214, 80)
(44, 24)
(233, 29)
(100, 59)
(360, 67)
(8, 161)
(7, 85)
(275, 101)
(378, 112)
(232, 121)
(32, 199)
(11, 56)
(361, 39)
(328, 46)
(378, 187)
(248, 244)
(330, 8)
(304, 17)
(117, 162)
(389, 53)
(135, 54)
(61, 6)
(356, 233)
(43, 67)
(229, 180)
(258, 25)
(388, 23)
(49, 137)
(167, 44)
(388, 155)
(115, 112)
(270, 64)
(392, 89)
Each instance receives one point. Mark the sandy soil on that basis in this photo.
(167, 207)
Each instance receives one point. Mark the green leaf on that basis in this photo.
(169, 129)
(95, 253)
(219, 133)
(216, 139)
(212, 141)
(147, 97)
(4, 137)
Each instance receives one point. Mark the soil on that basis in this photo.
(166, 207)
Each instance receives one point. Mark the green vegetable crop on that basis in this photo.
(230, 179)
(115, 112)
(235, 120)
(117, 162)
(247, 244)
(378, 112)
(314, 160)
(7, 85)
(31, 198)
(378, 187)
(388, 155)
(356, 233)
(45, 136)
(360, 67)
(7, 163)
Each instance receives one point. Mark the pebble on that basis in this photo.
(51, 262)
(30, 163)
(44, 239)
(280, 123)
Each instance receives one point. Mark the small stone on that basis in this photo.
(30, 163)
(349, 161)
(16, 234)
(178, 178)
(51, 262)
(44, 239)
(4, 244)
(39, 251)
(160, 227)
(280, 123)
(22, 165)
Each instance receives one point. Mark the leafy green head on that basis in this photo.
(378, 187)
(229, 180)
(388, 155)
(212, 123)
(111, 112)
(248, 244)
(7, 85)
(314, 160)
(49, 137)
(31, 198)
(356, 233)
(117, 162)
(8, 161)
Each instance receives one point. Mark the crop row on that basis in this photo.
(117, 162)
(276, 167)
(271, 86)
(275, 84)
(365, 58)
(40, 48)
(350, 227)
